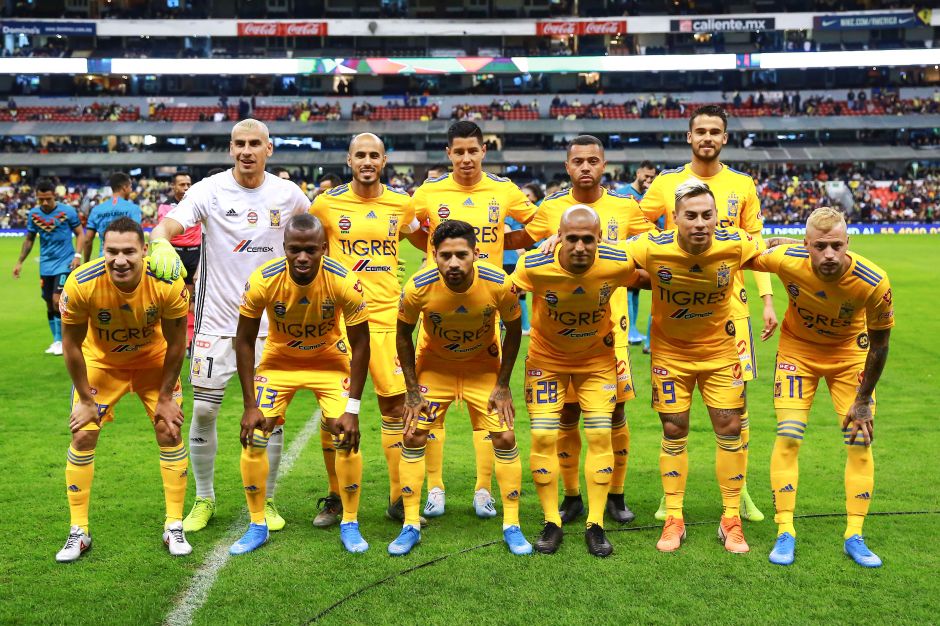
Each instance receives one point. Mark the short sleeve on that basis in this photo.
(769, 260)
(176, 300)
(508, 302)
(637, 247)
(419, 204)
(92, 222)
(520, 208)
(72, 304)
(30, 226)
(636, 222)
(880, 307)
(520, 278)
(409, 305)
(653, 205)
(300, 201)
(539, 227)
(136, 214)
(73, 220)
(751, 219)
(409, 222)
(253, 300)
(355, 310)
(194, 207)
(750, 247)
(318, 207)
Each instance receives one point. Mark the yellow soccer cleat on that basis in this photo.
(749, 510)
(202, 511)
(271, 517)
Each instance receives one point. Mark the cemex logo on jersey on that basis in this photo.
(245, 246)
(364, 265)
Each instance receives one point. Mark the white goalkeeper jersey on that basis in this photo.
(242, 229)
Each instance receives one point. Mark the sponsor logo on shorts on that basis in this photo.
(609, 387)
(660, 371)
(786, 367)
(261, 379)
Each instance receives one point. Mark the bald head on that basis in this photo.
(580, 216)
(367, 161)
(580, 232)
(367, 141)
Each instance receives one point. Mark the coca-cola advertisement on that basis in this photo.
(594, 27)
(556, 29)
(282, 29)
(605, 27)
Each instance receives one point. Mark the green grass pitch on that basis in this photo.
(128, 578)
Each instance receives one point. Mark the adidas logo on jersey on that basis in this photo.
(695, 268)
(468, 202)
(578, 290)
(231, 213)
(304, 300)
(821, 294)
(370, 215)
(460, 309)
(125, 307)
(788, 488)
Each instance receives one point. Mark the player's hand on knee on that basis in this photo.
(860, 417)
(171, 414)
(347, 429)
(501, 403)
(165, 263)
(252, 418)
(415, 405)
(83, 414)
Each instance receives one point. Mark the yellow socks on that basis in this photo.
(174, 463)
(79, 472)
(254, 465)
(392, 429)
(569, 457)
(674, 470)
(730, 466)
(349, 474)
(435, 457)
(598, 465)
(329, 456)
(411, 470)
(543, 461)
(483, 448)
(620, 442)
(859, 485)
(509, 479)
(785, 466)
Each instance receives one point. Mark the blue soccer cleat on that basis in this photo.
(784, 550)
(855, 547)
(516, 541)
(351, 537)
(406, 540)
(254, 538)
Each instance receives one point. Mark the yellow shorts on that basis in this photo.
(384, 366)
(744, 342)
(797, 377)
(546, 392)
(108, 386)
(442, 382)
(719, 381)
(276, 384)
(625, 388)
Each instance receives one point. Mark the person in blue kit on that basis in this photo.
(645, 174)
(103, 214)
(55, 223)
(533, 191)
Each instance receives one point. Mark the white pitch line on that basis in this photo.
(205, 577)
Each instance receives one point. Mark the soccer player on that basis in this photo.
(459, 357)
(483, 200)
(738, 207)
(55, 223)
(620, 218)
(114, 207)
(572, 346)
(364, 220)
(645, 174)
(304, 295)
(243, 212)
(691, 269)
(187, 245)
(124, 332)
(837, 328)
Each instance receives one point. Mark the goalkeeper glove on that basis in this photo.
(165, 263)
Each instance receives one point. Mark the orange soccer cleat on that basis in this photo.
(730, 532)
(673, 535)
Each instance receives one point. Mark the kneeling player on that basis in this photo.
(572, 343)
(304, 293)
(124, 331)
(459, 357)
(691, 270)
(848, 300)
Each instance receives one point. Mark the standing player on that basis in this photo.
(691, 269)
(836, 327)
(304, 294)
(243, 211)
(124, 332)
(55, 223)
(364, 220)
(620, 218)
(738, 207)
(483, 200)
(645, 174)
(187, 245)
(114, 207)
(572, 347)
(460, 302)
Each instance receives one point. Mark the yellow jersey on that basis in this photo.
(736, 202)
(572, 329)
(459, 326)
(304, 319)
(693, 317)
(363, 235)
(124, 329)
(826, 319)
(620, 217)
(484, 206)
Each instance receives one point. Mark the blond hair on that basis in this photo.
(691, 188)
(249, 124)
(825, 218)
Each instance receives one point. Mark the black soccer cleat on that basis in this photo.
(618, 510)
(549, 539)
(571, 508)
(597, 542)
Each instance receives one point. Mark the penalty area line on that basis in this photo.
(203, 580)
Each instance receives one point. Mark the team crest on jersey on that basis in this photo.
(252, 217)
(280, 309)
(551, 298)
(664, 274)
(443, 211)
(604, 294)
(392, 225)
(793, 289)
(846, 311)
(275, 215)
(152, 313)
(724, 275)
(327, 309)
(104, 316)
(494, 211)
(733, 203)
(612, 230)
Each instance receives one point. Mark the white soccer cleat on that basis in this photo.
(483, 504)
(57, 348)
(175, 540)
(51, 348)
(435, 504)
(77, 544)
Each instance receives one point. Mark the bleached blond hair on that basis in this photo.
(249, 124)
(692, 187)
(824, 219)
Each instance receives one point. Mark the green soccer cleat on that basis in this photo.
(749, 510)
(271, 517)
(661, 511)
(202, 511)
